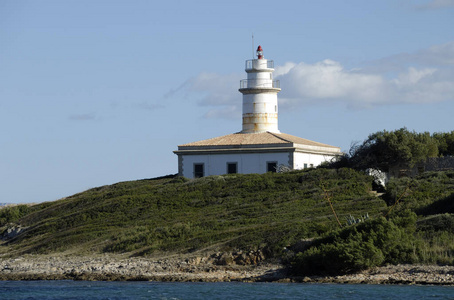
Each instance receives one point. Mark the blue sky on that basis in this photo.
(97, 92)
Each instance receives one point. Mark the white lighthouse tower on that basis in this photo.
(259, 96)
(259, 147)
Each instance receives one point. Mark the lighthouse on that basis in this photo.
(259, 147)
(260, 96)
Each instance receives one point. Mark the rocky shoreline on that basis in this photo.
(201, 269)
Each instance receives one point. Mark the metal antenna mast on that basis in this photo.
(252, 45)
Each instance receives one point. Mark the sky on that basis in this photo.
(96, 92)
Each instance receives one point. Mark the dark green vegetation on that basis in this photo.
(384, 149)
(354, 248)
(268, 211)
(419, 224)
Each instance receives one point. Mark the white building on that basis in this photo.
(260, 147)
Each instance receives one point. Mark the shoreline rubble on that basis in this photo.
(197, 269)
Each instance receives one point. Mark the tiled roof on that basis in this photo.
(262, 138)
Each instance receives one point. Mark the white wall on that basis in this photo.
(216, 164)
(308, 158)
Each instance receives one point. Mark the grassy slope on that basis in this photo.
(145, 217)
(419, 229)
(431, 197)
(268, 211)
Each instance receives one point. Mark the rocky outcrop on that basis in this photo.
(216, 267)
(242, 258)
(11, 231)
(394, 274)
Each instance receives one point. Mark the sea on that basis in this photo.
(223, 290)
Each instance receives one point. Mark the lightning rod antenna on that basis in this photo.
(252, 45)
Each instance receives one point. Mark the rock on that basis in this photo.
(195, 261)
(225, 267)
(242, 259)
(380, 178)
(226, 259)
(12, 231)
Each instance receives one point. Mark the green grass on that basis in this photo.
(239, 212)
(174, 214)
(419, 229)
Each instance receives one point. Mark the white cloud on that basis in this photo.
(219, 91)
(328, 80)
(436, 55)
(217, 88)
(423, 86)
(424, 76)
(281, 70)
(412, 77)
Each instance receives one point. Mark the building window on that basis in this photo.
(232, 168)
(198, 170)
(271, 166)
(305, 166)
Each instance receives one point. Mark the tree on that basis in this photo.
(384, 149)
(445, 141)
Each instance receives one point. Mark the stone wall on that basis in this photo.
(431, 164)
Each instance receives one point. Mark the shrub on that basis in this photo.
(431, 224)
(445, 205)
(13, 213)
(358, 247)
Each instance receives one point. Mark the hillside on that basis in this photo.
(173, 214)
(275, 213)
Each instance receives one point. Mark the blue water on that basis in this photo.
(167, 291)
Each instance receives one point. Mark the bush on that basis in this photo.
(346, 256)
(428, 193)
(358, 247)
(13, 213)
(431, 224)
(445, 205)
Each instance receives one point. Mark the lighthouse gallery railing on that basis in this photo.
(269, 64)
